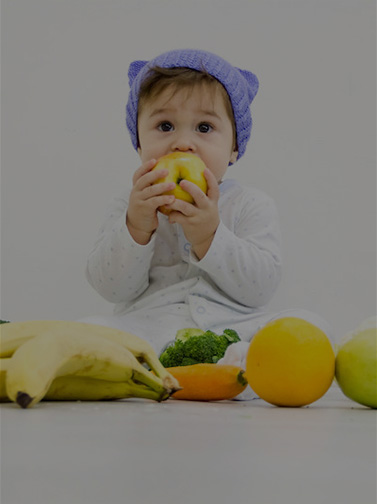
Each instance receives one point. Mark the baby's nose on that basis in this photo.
(184, 143)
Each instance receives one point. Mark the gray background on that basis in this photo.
(66, 151)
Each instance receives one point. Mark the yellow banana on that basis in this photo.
(81, 388)
(73, 388)
(36, 363)
(14, 334)
(4, 363)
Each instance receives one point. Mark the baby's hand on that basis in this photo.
(145, 198)
(200, 219)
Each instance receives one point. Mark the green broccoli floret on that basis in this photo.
(173, 355)
(194, 346)
(205, 348)
(231, 335)
(187, 361)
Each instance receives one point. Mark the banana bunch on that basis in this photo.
(66, 360)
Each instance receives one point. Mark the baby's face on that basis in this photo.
(193, 121)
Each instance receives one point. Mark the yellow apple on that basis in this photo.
(356, 366)
(181, 166)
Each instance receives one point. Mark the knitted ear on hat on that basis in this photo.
(253, 83)
(134, 69)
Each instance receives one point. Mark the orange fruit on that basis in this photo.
(290, 362)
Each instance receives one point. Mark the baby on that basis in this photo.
(214, 263)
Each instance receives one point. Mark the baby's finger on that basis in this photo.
(143, 169)
(197, 194)
(150, 191)
(153, 177)
(213, 191)
(183, 208)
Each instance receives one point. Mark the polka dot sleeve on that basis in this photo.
(118, 267)
(244, 258)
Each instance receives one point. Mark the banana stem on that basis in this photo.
(23, 399)
(146, 393)
(168, 380)
(150, 381)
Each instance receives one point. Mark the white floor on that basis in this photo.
(176, 452)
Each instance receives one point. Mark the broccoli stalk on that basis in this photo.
(185, 334)
(194, 346)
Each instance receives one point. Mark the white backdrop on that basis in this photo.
(66, 151)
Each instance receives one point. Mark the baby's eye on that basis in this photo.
(204, 128)
(165, 126)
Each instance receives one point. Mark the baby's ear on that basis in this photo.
(233, 157)
(134, 69)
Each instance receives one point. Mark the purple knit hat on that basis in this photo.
(241, 86)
